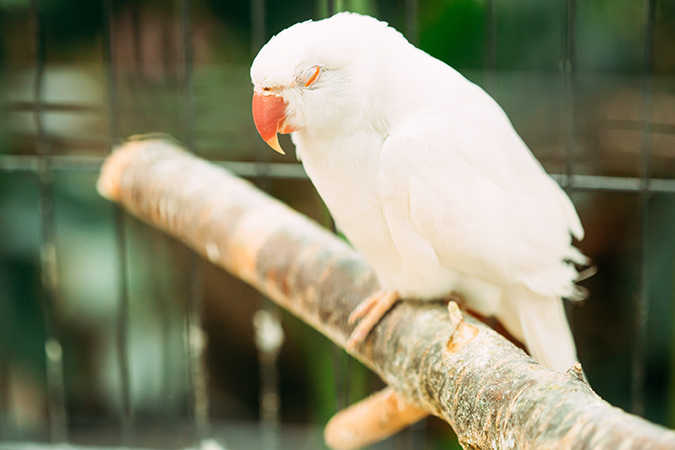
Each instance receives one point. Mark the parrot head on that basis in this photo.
(318, 77)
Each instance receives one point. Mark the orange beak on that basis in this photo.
(269, 114)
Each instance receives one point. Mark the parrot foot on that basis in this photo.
(370, 311)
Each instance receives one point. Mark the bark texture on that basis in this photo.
(491, 393)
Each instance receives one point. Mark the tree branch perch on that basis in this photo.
(490, 392)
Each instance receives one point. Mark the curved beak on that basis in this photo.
(269, 114)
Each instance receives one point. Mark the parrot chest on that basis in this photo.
(349, 188)
(349, 181)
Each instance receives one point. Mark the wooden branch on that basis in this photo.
(490, 392)
(371, 420)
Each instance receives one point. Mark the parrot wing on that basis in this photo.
(481, 204)
(500, 219)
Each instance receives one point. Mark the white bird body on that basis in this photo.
(426, 176)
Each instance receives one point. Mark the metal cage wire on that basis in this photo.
(44, 165)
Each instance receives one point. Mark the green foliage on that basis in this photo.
(453, 31)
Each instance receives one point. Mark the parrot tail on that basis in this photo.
(542, 323)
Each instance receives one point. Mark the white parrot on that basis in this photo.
(425, 175)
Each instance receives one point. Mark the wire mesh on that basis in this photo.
(44, 164)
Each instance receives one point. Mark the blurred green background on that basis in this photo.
(571, 83)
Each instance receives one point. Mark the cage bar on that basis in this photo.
(568, 69)
(642, 303)
(267, 316)
(56, 397)
(122, 320)
(412, 28)
(196, 341)
(490, 39)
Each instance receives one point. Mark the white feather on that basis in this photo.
(425, 175)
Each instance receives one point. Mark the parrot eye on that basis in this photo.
(309, 76)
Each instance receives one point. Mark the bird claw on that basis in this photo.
(366, 305)
(370, 311)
